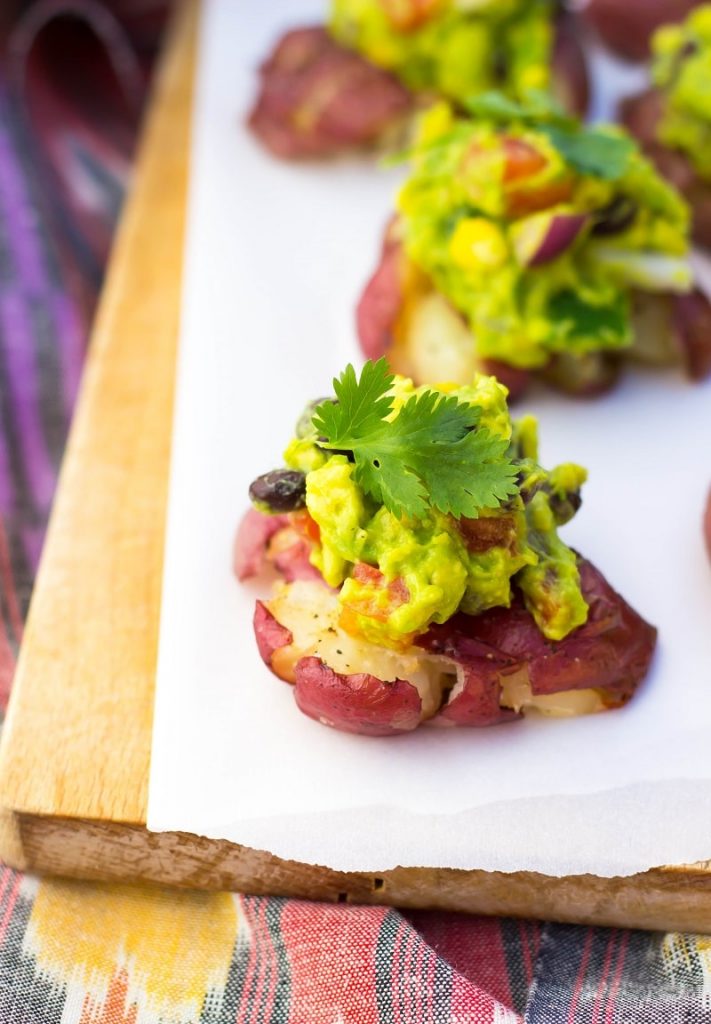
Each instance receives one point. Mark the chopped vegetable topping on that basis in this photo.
(452, 48)
(682, 70)
(421, 502)
(537, 229)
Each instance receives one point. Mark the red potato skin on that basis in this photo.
(317, 99)
(612, 651)
(381, 303)
(692, 317)
(252, 540)
(478, 703)
(627, 26)
(571, 81)
(293, 562)
(641, 116)
(270, 634)
(253, 550)
(357, 703)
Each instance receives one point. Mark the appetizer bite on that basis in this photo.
(354, 83)
(673, 120)
(627, 27)
(422, 578)
(525, 244)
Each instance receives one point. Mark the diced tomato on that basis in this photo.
(522, 163)
(368, 574)
(522, 160)
(306, 526)
(521, 201)
(407, 15)
(375, 600)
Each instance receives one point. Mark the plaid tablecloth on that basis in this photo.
(70, 92)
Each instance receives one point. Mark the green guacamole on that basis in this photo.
(485, 197)
(450, 48)
(682, 70)
(399, 575)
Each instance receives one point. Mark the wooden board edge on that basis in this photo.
(662, 900)
(86, 670)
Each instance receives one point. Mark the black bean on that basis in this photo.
(564, 506)
(616, 217)
(282, 490)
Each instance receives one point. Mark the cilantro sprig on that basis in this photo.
(432, 454)
(597, 151)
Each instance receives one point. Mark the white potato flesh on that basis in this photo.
(516, 694)
(654, 338)
(433, 342)
(310, 611)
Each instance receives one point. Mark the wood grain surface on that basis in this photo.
(78, 735)
(76, 746)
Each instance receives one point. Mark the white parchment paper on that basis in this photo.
(276, 257)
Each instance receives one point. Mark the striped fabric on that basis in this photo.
(75, 953)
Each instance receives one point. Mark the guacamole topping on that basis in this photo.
(682, 69)
(398, 573)
(537, 229)
(453, 48)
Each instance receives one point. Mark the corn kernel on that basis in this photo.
(476, 243)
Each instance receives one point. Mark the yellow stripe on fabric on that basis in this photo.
(171, 946)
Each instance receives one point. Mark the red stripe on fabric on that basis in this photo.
(470, 1003)
(8, 584)
(473, 946)
(332, 953)
(606, 964)
(617, 977)
(581, 975)
(11, 901)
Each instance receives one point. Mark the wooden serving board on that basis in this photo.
(76, 747)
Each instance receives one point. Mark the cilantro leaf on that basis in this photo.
(495, 106)
(591, 150)
(362, 404)
(456, 490)
(432, 454)
(609, 324)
